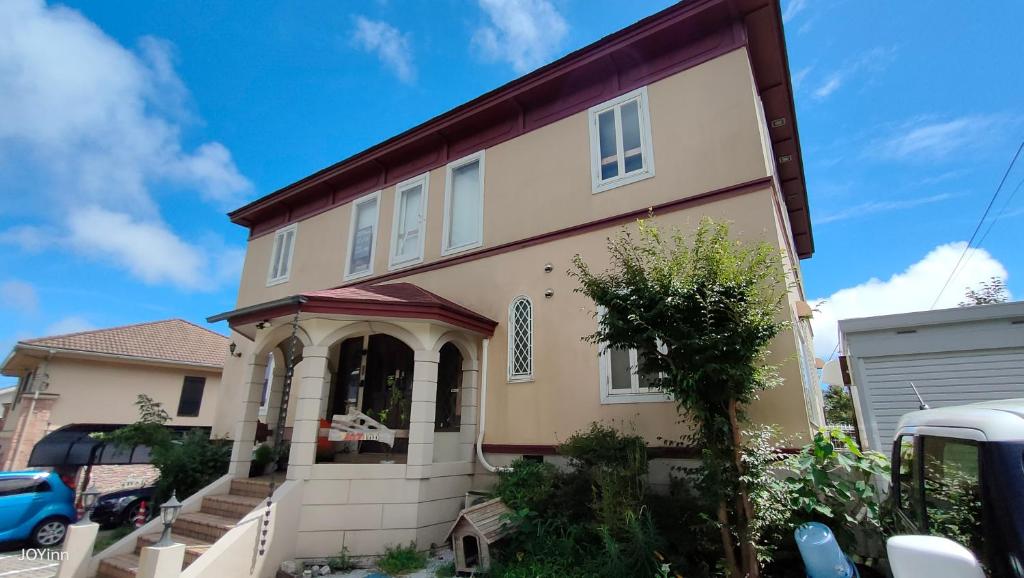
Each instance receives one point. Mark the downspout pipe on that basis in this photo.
(483, 413)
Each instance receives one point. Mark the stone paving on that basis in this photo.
(29, 563)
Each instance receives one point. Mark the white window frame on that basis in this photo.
(374, 196)
(445, 249)
(600, 185)
(424, 182)
(279, 237)
(514, 377)
(635, 394)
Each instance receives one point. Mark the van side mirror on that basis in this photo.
(931, 556)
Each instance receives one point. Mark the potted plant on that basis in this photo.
(264, 460)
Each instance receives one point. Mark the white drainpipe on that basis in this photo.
(483, 413)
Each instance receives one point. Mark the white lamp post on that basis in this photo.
(89, 497)
(168, 514)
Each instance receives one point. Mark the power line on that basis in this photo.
(980, 223)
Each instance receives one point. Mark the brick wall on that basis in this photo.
(113, 478)
(30, 428)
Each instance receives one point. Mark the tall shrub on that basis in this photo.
(700, 311)
(186, 464)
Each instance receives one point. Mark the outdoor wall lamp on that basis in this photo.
(232, 348)
(89, 497)
(168, 514)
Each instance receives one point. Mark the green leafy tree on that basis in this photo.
(992, 291)
(700, 312)
(838, 406)
(186, 464)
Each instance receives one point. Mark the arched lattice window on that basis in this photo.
(520, 339)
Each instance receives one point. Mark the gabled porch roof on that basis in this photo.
(392, 300)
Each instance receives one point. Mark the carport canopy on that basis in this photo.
(75, 445)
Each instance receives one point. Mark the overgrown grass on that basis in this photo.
(108, 538)
(399, 560)
(342, 562)
(445, 571)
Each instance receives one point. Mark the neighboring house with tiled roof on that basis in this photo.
(94, 377)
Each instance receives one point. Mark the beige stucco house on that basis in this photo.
(422, 283)
(405, 323)
(94, 377)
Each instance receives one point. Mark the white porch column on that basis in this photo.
(312, 378)
(274, 395)
(245, 430)
(470, 409)
(422, 414)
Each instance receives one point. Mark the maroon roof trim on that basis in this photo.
(401, 300)
(622, 218)
(679, 37)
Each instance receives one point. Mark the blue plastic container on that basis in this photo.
(821, 553)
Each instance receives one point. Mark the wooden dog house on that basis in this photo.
(473, 532)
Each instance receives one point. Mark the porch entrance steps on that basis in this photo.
(198, 530)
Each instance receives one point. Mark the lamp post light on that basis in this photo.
(168, 514)
(89, 497)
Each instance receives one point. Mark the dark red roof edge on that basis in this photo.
(739, 9)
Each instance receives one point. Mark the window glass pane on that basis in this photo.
(191, 396)
(952, 492)
(632, 152)
(286, 248)
(275, 258)
(362, 237)
(910, 498)
(464, 212)
(409, 218)
(607, 145)
(14, 486)
(521, 338)
(621, 372)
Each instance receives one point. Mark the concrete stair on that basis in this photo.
(197, 530)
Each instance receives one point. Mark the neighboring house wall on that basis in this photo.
(99, 392)
(706, 139)
(953, 356)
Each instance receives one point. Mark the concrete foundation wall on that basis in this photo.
(365, 508)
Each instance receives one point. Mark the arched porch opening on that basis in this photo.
(371, 375)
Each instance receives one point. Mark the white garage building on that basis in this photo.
(952, 356)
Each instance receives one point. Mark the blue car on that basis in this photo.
(35, 507)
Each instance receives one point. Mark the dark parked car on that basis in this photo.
(117, 508)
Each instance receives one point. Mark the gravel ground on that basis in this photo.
(433, 565)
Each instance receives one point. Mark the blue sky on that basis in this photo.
(127, 130)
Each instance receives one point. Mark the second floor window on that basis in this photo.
(362, 237)
(408, 226)
(191, 396)
(620, 141)
(281, 255)
(464, 204)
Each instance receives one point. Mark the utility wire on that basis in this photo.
(978, 227)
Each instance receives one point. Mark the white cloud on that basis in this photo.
(927, 138)
(70, 324)
(832, 84)
(872, 61)
(793, 7)
(913, 289)
(147, 249)
(97, 125)
(19, 296)
(879, 207)
(524, 33)
(389, 44)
